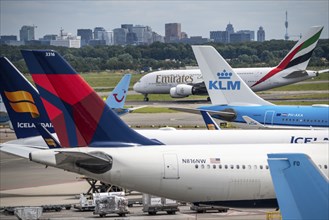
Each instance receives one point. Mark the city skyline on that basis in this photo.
(197, 18)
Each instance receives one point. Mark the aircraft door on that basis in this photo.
(171, 170)
(268, 118)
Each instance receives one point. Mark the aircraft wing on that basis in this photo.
(197, 111)
(323, 71)
(18, 150)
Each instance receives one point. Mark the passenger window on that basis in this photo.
(214, 166)
(237, 166)
(266, 167)
(202, 166)
(226, 166)
(325, 166)
(320, 166)
(196, 166)
(208, 166)
(261, 167)
(232, 166)
(243, 167)
(220, 166)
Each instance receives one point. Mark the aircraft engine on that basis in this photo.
(181, 91)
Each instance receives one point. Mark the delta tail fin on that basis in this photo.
(224, 86)
(301, 188)
(22, 101)
(298, 57)
(79, 115)
(117, 97)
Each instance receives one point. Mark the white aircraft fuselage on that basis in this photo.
(160, 82)
(231, 175)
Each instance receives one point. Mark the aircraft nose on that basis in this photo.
(137, 87)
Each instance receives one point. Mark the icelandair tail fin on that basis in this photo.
(224, 86)
(118, 96)
(298, 57)
(79, 115)
(300, 187)
(22, 101)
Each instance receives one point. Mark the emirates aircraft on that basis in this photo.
(105, 148)
(292, 69)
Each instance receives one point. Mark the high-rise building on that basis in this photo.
(86, 35)
(120, 36)
(98, 33)
(261, 34)
(229, 31)
(219, 36)
(143, 34)
(242, 36)
(172, 32)
(26, 33)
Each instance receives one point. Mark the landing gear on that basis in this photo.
(146, 99)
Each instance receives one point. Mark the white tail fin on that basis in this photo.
(299, 56)
(224, 86)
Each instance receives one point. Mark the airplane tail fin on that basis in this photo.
(79, 115)
(22, 101)
(300, 187)
(298, 57)
(117, 97)
(224, 86)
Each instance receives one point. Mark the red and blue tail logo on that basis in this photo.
(79, 115)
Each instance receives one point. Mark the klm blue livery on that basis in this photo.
(233, 101)
(302, 190)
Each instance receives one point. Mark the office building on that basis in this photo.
(261, 34)
(26, 33)
(86, 35)
(172, 32)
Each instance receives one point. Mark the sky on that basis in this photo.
(197, 17)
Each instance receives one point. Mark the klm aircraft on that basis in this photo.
(301, 188)
(233, 101)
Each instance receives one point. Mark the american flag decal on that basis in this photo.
(214, 160)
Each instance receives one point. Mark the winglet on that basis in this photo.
(224, 86)
(300, 186)
(210, 123)
(51, 142)
(79, 115)
(22, 101)
(252, 122)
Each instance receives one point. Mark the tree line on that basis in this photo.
(168, 56)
